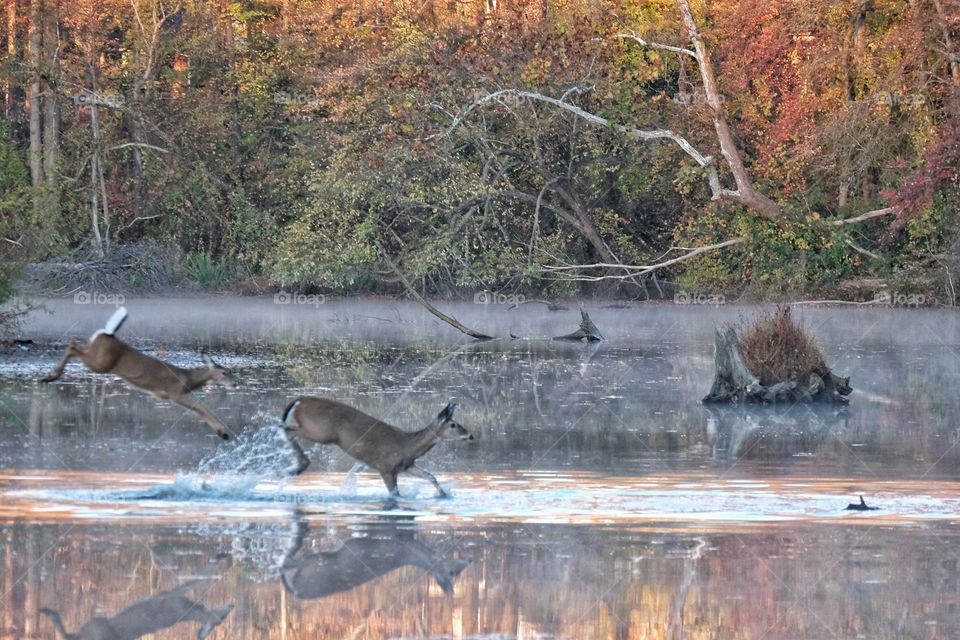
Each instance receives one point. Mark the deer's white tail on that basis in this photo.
(113, 324)
(115, 321)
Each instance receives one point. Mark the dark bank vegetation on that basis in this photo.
(773, 149)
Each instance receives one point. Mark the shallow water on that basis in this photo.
(600, 499)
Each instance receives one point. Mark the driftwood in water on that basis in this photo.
(860, 507)
(735, 383)
(587, 331)
(551, 306)
(450, 320)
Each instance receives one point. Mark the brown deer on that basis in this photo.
(358, 560)
(379, 445)
(146, 616)
(104, 353)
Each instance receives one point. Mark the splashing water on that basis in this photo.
(261, 454)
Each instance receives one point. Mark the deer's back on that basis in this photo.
(112, 355)
(364, 437)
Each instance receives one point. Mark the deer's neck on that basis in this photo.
(423, 440)
(195, 378)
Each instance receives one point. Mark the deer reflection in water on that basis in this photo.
(389, 545)
(152, 614)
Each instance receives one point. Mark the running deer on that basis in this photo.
(104, 353)
(375, 443)
(147, 616)
(359, 560)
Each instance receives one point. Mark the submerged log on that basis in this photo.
(587, 331)
(735, 383)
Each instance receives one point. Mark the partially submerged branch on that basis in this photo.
(453, 322)
(587, 331)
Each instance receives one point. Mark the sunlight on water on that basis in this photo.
(531, 497)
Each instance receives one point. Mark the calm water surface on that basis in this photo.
(600, 499)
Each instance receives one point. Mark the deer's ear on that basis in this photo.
(447, 412)
(207, 360)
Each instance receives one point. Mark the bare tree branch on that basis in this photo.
(139, 144)
(657, 45)
(634, 270)
(886, 211)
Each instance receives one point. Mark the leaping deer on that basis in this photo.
(149, 615)
(104, 353)
(379, 445)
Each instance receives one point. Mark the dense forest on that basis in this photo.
(765, 148)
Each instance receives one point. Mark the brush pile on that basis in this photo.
(773, 360)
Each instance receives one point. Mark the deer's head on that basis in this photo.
(448, 427)
(219, 375)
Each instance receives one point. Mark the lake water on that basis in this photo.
(599, 499)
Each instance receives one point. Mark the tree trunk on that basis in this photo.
(764, 206)
(51, 112)
(11, 56)
(33, 98)
(97, 189)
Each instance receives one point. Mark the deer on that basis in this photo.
(147, 616)
(380, 446)
(104, 353)
(359, 560)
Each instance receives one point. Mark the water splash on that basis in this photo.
(262, 453)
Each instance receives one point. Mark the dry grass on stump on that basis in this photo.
(776, 348)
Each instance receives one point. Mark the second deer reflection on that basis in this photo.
(389, 545)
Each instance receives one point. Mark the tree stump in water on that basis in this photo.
(587, 331)
(734, 382)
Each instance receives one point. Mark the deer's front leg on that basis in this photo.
(201, 411)
(72, 351)
(390, 479)
(414, 470)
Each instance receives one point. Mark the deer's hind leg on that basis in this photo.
(202, 411)
(414, 470)
(302, 460)
(73, 351)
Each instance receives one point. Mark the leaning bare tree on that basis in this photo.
(742, 191)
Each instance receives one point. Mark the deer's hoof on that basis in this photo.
(224, 435)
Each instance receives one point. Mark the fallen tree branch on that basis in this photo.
(635, 270)
(453, 322)
(657, 45)
(886, 211)
(138, 145)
